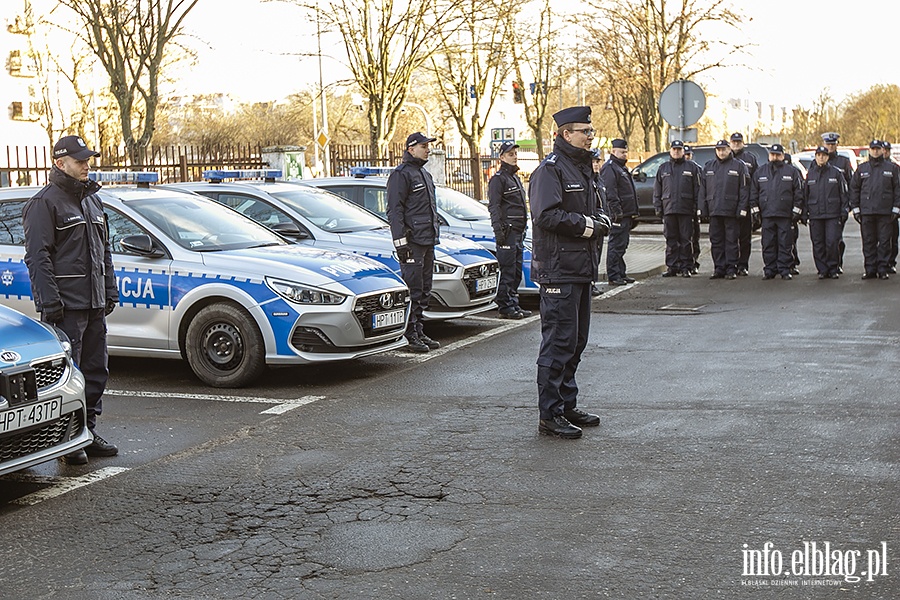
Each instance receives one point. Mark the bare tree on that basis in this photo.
(470, 67)
(130, 38)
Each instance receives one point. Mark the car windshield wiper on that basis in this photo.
(266, 244)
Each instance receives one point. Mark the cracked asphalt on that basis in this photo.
(734, 413)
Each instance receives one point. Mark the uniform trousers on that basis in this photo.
(509, 255)
(777, 245)
(723, 244)
(745, 225)
(695, 243)
(616, 245)
(876, 242)
(565, 322)
(825, 235)
(678, 231)
(86, 330)
(895, 234)
(417, 275)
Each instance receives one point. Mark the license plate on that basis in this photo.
(486, 283)
(388, 319)
(29, 415)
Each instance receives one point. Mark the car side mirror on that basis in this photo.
(639, 176)
(290, 230)
(141, 244)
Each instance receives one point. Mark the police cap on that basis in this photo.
(573, 114)
(677, 144)
(737, 137)
(620, 143)
(722, 144)
(876, 144)
(776, 149)
(74, 146)
(418, 138)
(831, 137)
(822, 150)
(506, 147)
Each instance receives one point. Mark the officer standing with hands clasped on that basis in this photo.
(695, 235)
(875, 201)
(744, 222)
(675, 195)
(724, 198)
(412, 213)
(826, 205)
(622, 199)
(70, 265)
(564, 201)
(506, 203)
(776, 197)
(842, 163)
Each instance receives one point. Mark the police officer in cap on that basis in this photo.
(506, 203)
(412, 213)
(826, 204)
(623, 207)
(596, 165)
(745, 224)
(567, 226)
(724, 198)
(776, 196)
(843, 164)
(895, 224)
(874, 202)
(675, 195)
(695, 235)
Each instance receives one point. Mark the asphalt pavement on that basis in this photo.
(748, 449)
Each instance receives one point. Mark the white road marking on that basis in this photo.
(62, 485)
(282, 405)
(613, 291)
(474, 339)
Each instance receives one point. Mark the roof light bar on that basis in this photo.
(218, 175)
(370, 171)
(138, 177)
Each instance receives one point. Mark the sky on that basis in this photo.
(250, 49)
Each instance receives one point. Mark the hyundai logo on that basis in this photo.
(386, 300)
(485, 270)
(8, 356)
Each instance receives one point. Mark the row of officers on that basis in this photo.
(737, 195)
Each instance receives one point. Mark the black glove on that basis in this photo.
(52, 313)
(795, 218)
(894, 216)
(857, 217)
(844, 217)
(404, 254)
(617, 217)
(755, 221)
(110, 306)
(602, 224)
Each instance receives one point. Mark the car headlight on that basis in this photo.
(61, 336)
(304, 294)
(442, 268)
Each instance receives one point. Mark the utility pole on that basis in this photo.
(326, 147)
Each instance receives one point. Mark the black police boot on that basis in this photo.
(432, 344)
(100, 447)
(525, 313)
(595, 291)
(414, 344)
(670, 273)
(79, 457)
(576, 416)
(511, 314)
(628, 279)
(560, 427)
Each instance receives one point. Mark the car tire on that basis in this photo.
(224, 346)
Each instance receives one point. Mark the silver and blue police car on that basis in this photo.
(42, 409)
(200, 281)
(460, 214)
(465, 273)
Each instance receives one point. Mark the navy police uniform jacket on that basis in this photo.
(677, 187)
(411, 204)
(776, 190)
(506, 201)
(620, 191)
(826, 194)
(67, 245)
(563, 194)
(875, 187)
(748, 158)
(842, 163)
(724, 188)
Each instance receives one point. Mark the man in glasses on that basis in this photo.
(567, 223)
(622, 199)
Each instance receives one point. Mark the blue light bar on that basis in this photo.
(370, 171)
(123, 177)
(216, 175)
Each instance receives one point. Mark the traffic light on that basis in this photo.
(517, 92)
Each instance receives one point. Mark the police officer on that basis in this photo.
(563, 197)
(623, 207)
(776, 195)
(70, 265)
(795, 225)
(746, 228)
(843, 164)
(724, 198)
(895, 224)
(596, 164)
(675, 196)
(506, 203)
(695, 235)
(826, 204)
(874, 202)
(412, 213)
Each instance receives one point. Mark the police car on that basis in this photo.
(197, 280)
(465, 274)
(459, 213)
(42, 409)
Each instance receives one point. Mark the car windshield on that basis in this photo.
(458, 205)
(328, 211)
(201, 225)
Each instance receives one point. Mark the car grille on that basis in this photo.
(309, 339)
(35, 440)
(49, 372)
(366, 306)
(472, 274)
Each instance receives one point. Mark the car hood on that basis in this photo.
(381, 242)
(311, 266)
(457, 244)
(25, 337)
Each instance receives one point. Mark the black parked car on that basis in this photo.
(645, 173)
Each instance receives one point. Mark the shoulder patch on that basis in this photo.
(551, 158)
